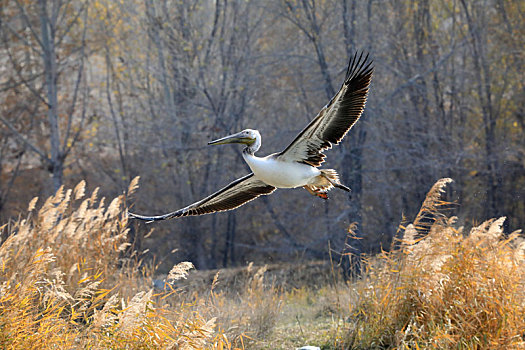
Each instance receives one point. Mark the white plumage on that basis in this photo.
(281, 174)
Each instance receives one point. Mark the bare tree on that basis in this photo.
(47, 30)
(164, 77)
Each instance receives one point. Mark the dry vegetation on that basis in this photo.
(70, 279)
(443, 288)
(66, 284)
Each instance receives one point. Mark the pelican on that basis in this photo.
(298, 165)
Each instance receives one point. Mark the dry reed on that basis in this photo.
(69, 281)
(443, 288)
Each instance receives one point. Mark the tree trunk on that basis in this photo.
(50, 71)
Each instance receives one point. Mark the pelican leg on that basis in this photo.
(316, 192)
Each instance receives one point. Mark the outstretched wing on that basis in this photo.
(230, 197)
(335, 119)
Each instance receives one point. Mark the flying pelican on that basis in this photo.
(297, 165)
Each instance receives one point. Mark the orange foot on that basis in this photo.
(316, 192)
(322, 195)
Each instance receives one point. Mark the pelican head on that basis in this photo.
(251, 138)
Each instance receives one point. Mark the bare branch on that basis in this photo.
(23, 12)
(22, 138)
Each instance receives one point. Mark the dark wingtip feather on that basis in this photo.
(149, 219)
(359, 67)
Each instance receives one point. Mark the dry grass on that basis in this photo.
(247, 313)
(443, 288)
(66, 283)
(70, 280)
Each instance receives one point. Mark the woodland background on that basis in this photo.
(108, 90)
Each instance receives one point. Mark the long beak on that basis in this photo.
(235, 138)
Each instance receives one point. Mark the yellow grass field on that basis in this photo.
(71, 280)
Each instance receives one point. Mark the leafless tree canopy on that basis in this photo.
(108, 90)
